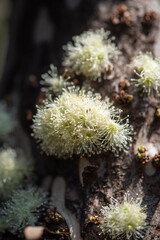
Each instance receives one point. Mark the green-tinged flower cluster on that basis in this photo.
(7, 124)
(55, 82)
(126, 220)
(14, 171)
(80, 123)
(91, 54)
(147, 70)
(23, 209)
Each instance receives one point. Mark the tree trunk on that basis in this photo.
(38, 30)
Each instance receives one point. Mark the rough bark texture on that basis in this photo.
(38, 29)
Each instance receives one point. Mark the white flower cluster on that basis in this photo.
(80, 123)
(91, 54)
(148, 73)
(7, 124)
(126, 220)
(22, 209)
(55, 82)
(14, 170)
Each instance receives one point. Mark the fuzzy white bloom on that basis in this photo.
(55, 82)
(147, 70)
(126, 220)
(7, 124)
(90, 54)
(14, 171)
(80, 123)
(23, 209)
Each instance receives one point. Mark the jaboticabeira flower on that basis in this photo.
(80, 123)
(23, 209)
(125, 220)
(15, 170)
(55, 82)
(91, 54)
(147, 70)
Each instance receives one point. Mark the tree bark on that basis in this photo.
(38, 30)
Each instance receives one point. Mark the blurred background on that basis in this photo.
(32, 33)
(5, 10)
